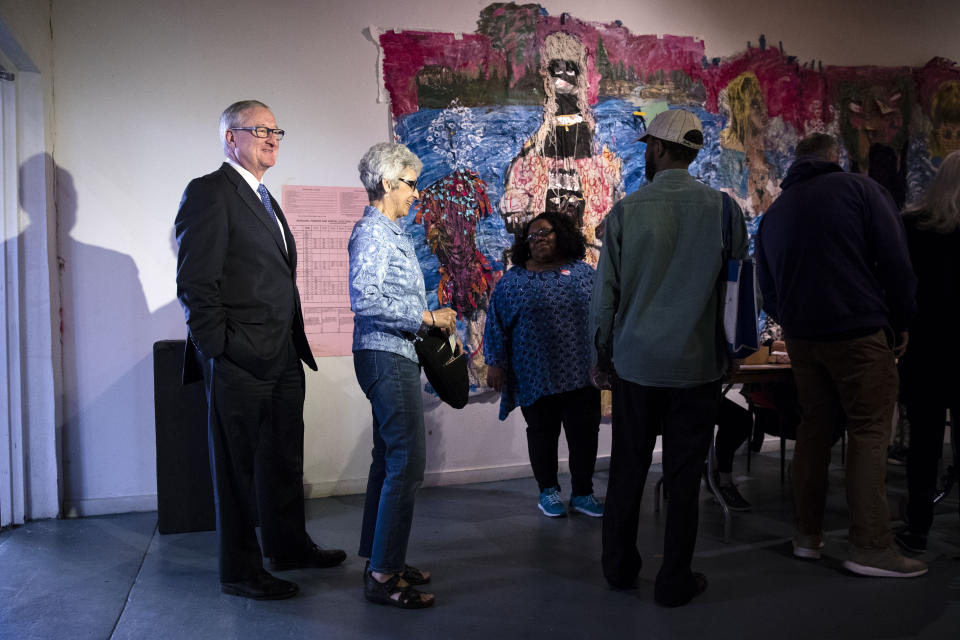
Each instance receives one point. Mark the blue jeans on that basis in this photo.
(392, 384)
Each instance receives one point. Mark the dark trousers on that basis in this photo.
(685, 417)
(255, 430)
(856, 379)
(926, 410)
(579, 413)
(733, 427)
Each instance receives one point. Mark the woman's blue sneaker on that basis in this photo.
(588, 505)
(550, 503)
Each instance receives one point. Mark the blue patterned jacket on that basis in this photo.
(387, 294)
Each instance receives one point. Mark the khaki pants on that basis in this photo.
(856, 379)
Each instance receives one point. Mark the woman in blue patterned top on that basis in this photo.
(538, 355)
(390, 308)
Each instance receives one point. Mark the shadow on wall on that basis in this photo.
(107, 332)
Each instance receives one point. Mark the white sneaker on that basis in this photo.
(883, 563)
(807, 547)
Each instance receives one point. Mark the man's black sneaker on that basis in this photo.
(732, 498)
(910, 541)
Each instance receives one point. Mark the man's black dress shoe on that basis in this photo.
(261, 587)
(694, 587)
(314, 558)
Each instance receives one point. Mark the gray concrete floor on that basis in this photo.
(501, 570)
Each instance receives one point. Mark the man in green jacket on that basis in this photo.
(655, 325)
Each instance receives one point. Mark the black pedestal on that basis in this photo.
(184, 488)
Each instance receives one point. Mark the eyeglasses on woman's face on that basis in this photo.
(542, 234)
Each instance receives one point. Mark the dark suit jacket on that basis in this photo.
(237, 286)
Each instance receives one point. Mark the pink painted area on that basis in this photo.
(786, 87)
(814, 106)
(407, 52)
(804, 98)
(645, 53)
(865, 75)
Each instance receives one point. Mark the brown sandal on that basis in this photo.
(413, 576)
(382, 592)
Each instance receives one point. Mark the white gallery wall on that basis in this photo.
(137, 90)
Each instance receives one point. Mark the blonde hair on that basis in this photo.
(939, 210)
(740, 96)
(945, 109)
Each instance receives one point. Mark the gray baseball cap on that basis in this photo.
(673, 125)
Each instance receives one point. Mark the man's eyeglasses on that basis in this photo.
(536, 235)
(261, 132)
(410, 183)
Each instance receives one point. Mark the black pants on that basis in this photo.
(685, 417)
(927, 414)
(733, 427)
(255, 430)
(579, 413)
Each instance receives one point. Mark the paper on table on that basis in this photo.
(321, 219)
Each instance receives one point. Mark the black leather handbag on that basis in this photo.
(446, 371)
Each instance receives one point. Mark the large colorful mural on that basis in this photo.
(534, 112)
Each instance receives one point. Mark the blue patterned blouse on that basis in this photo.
(537, 332)
(386, 286)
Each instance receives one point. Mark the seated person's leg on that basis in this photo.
(733, 426)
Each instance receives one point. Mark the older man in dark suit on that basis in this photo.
(236, 281)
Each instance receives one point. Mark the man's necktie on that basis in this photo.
(265, 198)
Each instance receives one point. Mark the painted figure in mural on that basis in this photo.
(236, 281)
(390, 308)
(450, 210)
(557, 170)
(835, 273)
(538, 354)
(930, 370)
(874, 116)
(654, 327)
(745, 134)
(874, 119)
(945, 137)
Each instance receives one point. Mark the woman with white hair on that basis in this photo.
(930, 368)
(390, 309)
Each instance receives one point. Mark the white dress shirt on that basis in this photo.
(251, 180)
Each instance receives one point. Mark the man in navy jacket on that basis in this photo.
(834, 271)
(237, 283)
